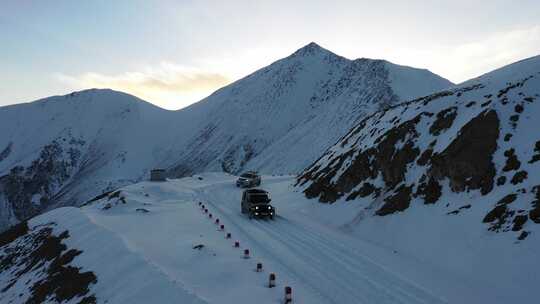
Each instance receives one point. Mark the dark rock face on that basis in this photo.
(519, 177)
(366, 190)
(430, 191)
(42, 255)
(13, 233)
(385, 157)
(42, 179)
(519, 221)
(523, 235)
(425, 157)
(500, 213)
(534, 214)
(536, 156)
(468, 161)
(444, 120)
(512, 162)
(398, 202)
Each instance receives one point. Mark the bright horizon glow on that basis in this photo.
(175, 53)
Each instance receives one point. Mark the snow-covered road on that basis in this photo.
(316, 257)
(151, 228)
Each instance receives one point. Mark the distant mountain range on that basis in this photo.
(64, 150)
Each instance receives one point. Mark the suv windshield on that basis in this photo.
(247, 175)
(259, 198)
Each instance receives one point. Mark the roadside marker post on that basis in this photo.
(228, 236)
(272, 280)
(288, 294)
(217, 221)
(259, 267)
(236, 244)
(210, 215)
(246, 253)
(222, 227)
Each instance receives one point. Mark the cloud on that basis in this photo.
(168, 85)
(497, 50)
(473, 56)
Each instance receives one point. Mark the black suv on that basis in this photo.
(256, 203)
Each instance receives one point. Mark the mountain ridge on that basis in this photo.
(96, 140)
(451, 143)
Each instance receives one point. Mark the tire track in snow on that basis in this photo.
(339, 275)
(265, 249)
(334, 279)
(396, 289)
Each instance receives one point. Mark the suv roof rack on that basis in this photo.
(256, 191)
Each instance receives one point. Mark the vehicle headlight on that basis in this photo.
(256, 213)
(257, 207)
(269, 207)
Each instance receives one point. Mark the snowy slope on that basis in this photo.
(138, 245)
(267, 120)
(452, 179)
(64, 150)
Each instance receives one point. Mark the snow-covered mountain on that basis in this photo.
(451, 179)
(58, 150)
(283, 116)
(470, 156)
(64, 150)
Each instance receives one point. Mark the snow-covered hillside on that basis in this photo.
(152, 242)
(64, 150)
(282, 117)
(452, 178)
(61, 150)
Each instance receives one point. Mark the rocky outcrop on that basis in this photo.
(42, 257)
(450, 141)
(30, 189)
(468, 161)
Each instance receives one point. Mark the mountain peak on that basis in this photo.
(310, 49)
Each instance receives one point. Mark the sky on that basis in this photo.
(174, 53)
